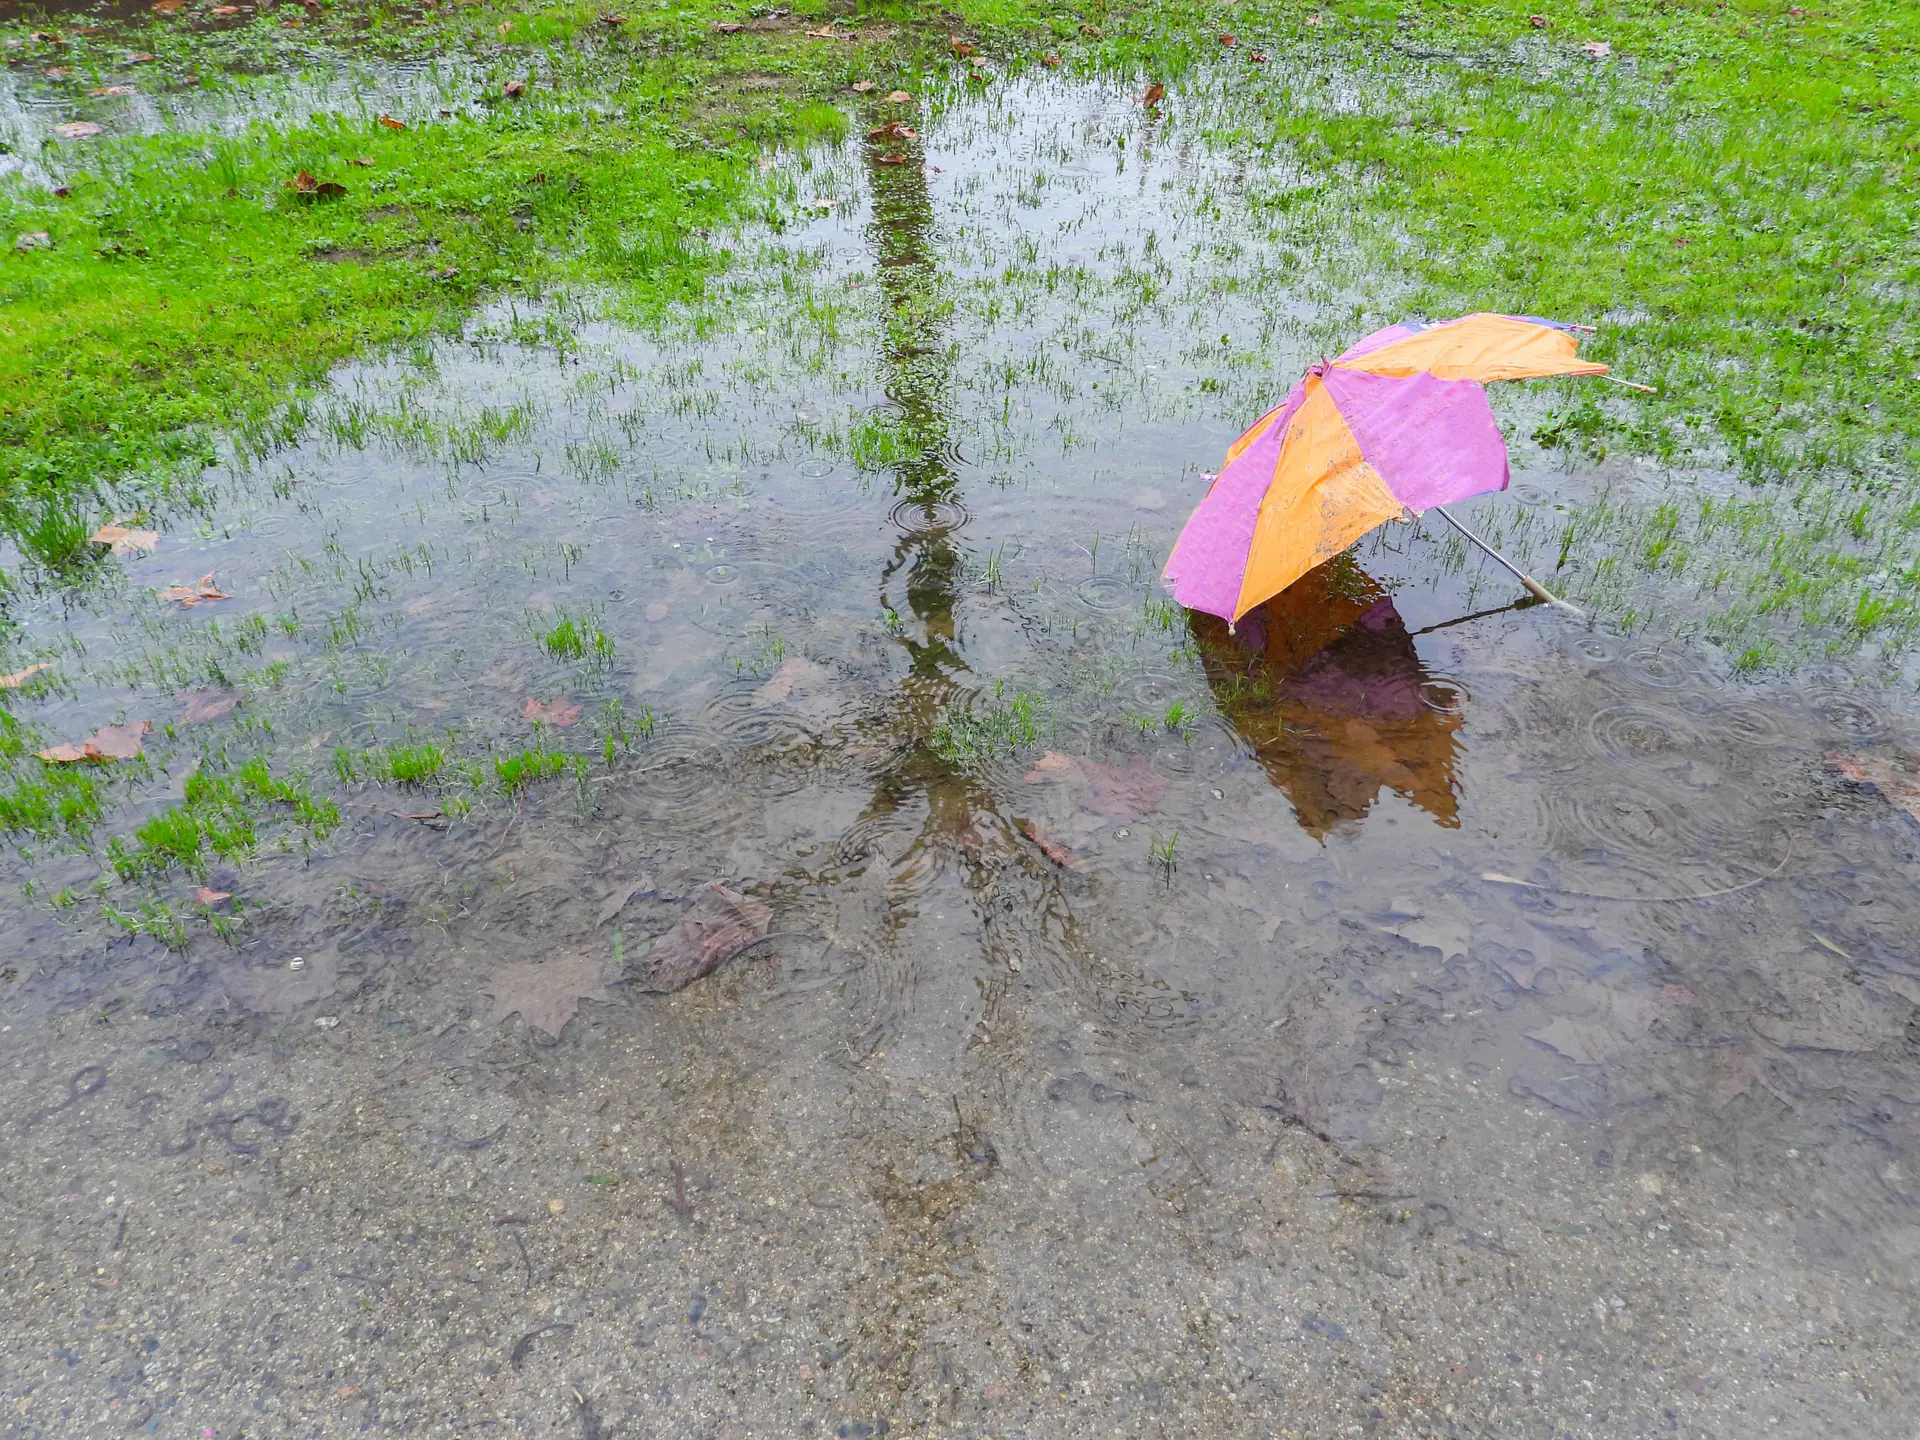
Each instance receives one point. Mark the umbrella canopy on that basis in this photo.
(1399, 422)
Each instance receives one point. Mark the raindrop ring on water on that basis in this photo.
(924, 519)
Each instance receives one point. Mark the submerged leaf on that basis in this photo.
(206, 706)
(123, 541)
(204, 896)
(554, 712)
(1123, 795)
(1156, 92)
(77, 130)
(1896, 787)
(110, 742)
(203, 593)
(722, 924)
(547, 993)
(20, 677)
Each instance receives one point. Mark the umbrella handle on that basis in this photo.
(1534, 587)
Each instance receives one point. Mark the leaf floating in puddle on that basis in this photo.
(204, 896)
(116, 90)
(206, 706)
(124, 542)
(20, 677)
(203, 593)
(547, 993)
(110, 742)
(721, 924)
(899, 97)
(1118, 794)
(555, 712)
(1156, 92)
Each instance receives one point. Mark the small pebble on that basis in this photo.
(296, 963)
(327, 1022)
(556, 1207)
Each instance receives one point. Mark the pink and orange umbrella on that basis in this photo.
(1398, 423)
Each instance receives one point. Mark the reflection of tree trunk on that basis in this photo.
(917, 369)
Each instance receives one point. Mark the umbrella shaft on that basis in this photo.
(1534, 587)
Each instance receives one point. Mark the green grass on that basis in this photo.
(978, 729)
(219, 817)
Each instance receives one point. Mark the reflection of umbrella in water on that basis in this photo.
(1324, 683)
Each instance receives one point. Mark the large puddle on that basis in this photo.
(1410, 1014)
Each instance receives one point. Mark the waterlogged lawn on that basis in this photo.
(1726, 191)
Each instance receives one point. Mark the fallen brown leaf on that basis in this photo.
(58, 72)
(47, 37)
(393, 124)
(863, 86)
(613, 20)
(110, 742)
(1258, 57)
(361, 160)
(514, 89)
(1052, 849)
(1156, 92)
(899, 97)
(1092, 31)
(116, 90)
(1538, 22)
(893, 129)
(721, 924)
(123, 541)
(77, 130)
(1228, 41)
(978, 62)
(203, 593)
(890, 160)
(547, 994)
(961, 49)
(622, 893)
(292, 22)
(168, 7)
(557, 712)
(141, 58)
(1597, 49)
(1896, 787)
(825, 32)
(20, 677)
(1052, 62)
(206, 706)
(1119, 794)
(729, 27)
(225, 10)
(204, 896)
(1313, 20)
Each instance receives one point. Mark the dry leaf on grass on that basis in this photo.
(1258, 57)
(547, 993)
(961, 49)
(890, 160)
(144, 57)
(361, 160)
(203, 593)
(124, 542)
(20, 677)
(1598, 49)
(307, 188)
(1538, 22)
(393, 124)
(115, 90)
(1092, 32)
(863, 86)
(206, 706)
(514, 89)
(721, 924)
(1895, 787)
(899, 97)
(1123, 795)
(110, 742)
(1228, 41)
(556, 712)
(729, 27)
(77, 130)
(1156, 92)
(1052, 62)
(168, 7)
